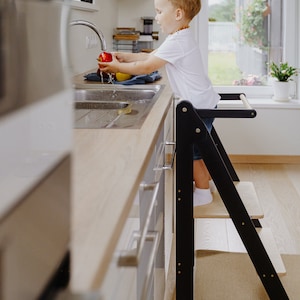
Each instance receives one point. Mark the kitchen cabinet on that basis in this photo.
(108, 166)
(140, 273)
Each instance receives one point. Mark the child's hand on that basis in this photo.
(121, 56)
(109, 67)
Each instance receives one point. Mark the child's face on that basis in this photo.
(166, 16)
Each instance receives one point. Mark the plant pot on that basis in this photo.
(281, 90)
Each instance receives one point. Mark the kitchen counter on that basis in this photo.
(108, 166)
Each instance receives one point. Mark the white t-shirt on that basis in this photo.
(185, 70)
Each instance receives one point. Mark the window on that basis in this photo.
(243, 36)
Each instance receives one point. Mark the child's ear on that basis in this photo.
(179, 14)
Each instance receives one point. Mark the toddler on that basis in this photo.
(181, 56)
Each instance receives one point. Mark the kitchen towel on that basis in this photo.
(137, 79)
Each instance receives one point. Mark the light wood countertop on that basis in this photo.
(108, 165)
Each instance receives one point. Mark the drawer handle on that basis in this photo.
(155, 236)
(161, 160)
(171, 164)
(130, 257)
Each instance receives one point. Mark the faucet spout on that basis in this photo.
(94, 28)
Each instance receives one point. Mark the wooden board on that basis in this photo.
(221, 235)
(131, 37)
(217, 209)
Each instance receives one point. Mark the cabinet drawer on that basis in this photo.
(140, 250)
(130, 274)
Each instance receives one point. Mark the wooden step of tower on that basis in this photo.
(221, 235)
(217, 209)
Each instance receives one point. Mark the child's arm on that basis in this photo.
(150, 64)
(130, 57)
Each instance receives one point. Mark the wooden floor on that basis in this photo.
(278, 189)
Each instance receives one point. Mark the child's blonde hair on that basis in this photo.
(190, 7)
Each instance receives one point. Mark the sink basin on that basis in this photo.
(122, 94)
(114, 106)
(106, 105)
(99, 114)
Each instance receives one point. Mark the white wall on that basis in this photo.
(106, 18)
(130, 13)
(274, 131)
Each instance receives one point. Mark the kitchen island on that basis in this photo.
(108, 166)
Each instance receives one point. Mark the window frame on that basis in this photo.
(291, 45)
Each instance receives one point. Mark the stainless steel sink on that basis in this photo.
(106, 105)
(114, 106)
(111, 93)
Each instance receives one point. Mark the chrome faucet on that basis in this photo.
(94, 28)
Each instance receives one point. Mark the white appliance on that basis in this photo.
(36, 121)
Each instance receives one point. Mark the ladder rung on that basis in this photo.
(269, 243)
(217, 209)
(221, 235)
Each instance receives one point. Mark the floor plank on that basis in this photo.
(278, 189)
(223, 275)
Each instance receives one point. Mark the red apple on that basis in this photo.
(105, 57)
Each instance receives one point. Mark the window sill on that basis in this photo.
(258, 97)
(262, 103)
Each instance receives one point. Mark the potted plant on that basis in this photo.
(283, 74)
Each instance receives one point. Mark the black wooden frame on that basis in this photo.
(190, 130)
